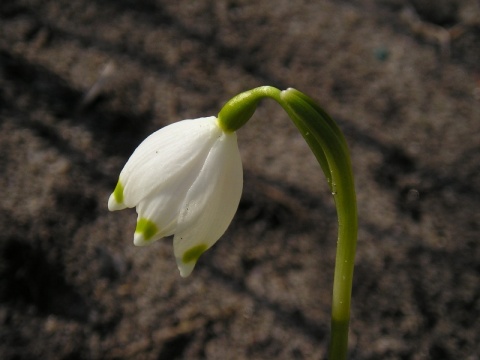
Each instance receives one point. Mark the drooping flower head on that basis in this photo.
(184, 180)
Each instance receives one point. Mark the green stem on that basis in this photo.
(331, 142)
(328, 144)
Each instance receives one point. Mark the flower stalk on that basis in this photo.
(328, 144)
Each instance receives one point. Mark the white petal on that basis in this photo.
(167, 155)
(163, 208)
(210, 204)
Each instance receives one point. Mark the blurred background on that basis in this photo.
(82, 83)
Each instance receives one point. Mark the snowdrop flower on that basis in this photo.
(184, 180)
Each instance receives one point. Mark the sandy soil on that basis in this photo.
(83, 82)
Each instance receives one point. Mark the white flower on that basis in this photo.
(184, 180)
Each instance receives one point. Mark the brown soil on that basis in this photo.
(83, 82)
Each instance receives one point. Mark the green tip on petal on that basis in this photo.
(144, 231)
(194, 253)
(115, 202)
(189, 259)
(118, 192)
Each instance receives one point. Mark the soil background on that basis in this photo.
(82, 83)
